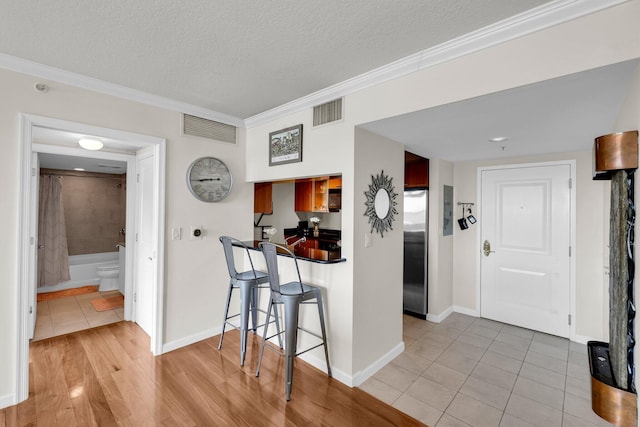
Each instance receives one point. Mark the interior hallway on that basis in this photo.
(468, 371)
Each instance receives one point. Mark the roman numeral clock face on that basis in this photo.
(209, 179)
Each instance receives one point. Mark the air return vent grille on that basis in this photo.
(328, 112)
(205, 128)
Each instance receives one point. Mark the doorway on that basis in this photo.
(81, 230)
(119, 145)
(527, 268)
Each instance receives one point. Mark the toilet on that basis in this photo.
(109, 275)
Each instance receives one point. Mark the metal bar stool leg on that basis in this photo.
(226, 313)
(245, 300)
(255, 301)
(264, 336)
(291, 314)
(324, 333)
(277, 320)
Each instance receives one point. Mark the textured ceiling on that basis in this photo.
(235, 57)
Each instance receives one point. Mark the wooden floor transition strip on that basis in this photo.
(47, 296)
(104, 304)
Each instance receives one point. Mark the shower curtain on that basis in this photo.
(53, 254)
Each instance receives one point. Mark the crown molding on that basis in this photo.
(545, 16)
(25, 66)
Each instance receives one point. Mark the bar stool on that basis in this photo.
(248, 282)
(290, 295)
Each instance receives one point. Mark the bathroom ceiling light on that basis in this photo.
(498, 139)
(78, 169)
(90, 144)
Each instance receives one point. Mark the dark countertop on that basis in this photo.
(319, 256)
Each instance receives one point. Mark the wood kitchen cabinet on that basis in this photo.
(312, 195)
(262, 197)
(416, 171)
(335, 183)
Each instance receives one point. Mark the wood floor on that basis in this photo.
(107, 376)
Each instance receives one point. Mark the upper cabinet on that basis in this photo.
(304, 196)
(313, 194)
(416, 171)
(262, 197)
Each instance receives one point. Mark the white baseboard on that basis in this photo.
(582, 339)
(191, 339)
(361, 376)
(7, 400)
(437, 318)
(465, 310)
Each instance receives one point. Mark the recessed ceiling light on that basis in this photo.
(498, 139)
(90, 144)
(78, 169)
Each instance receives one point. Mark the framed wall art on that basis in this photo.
(285, 146)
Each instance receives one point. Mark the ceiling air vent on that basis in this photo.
(205, 128)
(328, 112)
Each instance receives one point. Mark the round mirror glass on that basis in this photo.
(381, 203)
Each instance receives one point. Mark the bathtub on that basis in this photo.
(82, 269)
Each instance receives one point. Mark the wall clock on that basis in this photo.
(209, 179)
(381, 203)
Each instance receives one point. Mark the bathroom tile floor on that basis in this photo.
(468, 371)
(74, 313)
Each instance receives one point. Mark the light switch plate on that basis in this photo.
(176, 233)
(368, 240)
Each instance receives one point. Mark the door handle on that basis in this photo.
(486, 248)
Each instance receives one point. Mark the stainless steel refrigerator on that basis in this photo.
(416, 230)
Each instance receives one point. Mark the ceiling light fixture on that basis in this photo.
(498, 139)
(78, 169)
(90, 144)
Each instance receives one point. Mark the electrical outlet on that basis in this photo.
(197, 232)
(176, 233)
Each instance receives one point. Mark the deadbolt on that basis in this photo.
(486, 248)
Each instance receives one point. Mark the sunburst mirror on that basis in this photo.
(381, 203)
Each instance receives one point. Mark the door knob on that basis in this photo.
(486, 248)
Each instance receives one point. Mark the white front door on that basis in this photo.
(145, 257)
(526, 237)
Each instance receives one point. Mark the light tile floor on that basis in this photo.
(468, 371)
(75, 313)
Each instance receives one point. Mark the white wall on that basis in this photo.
(195, 276)
(590, 285)
(440, 256)
(377, 288)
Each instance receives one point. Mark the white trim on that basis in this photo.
(582, 339)
(467, 311)
(27, 147)
(7, 400)
(437, 318)
(536, 19)
(572, 240)
(78, 80)
(359, 377)
(191, 339)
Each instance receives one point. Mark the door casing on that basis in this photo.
(27, 240)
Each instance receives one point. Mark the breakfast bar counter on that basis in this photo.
(319, 256)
